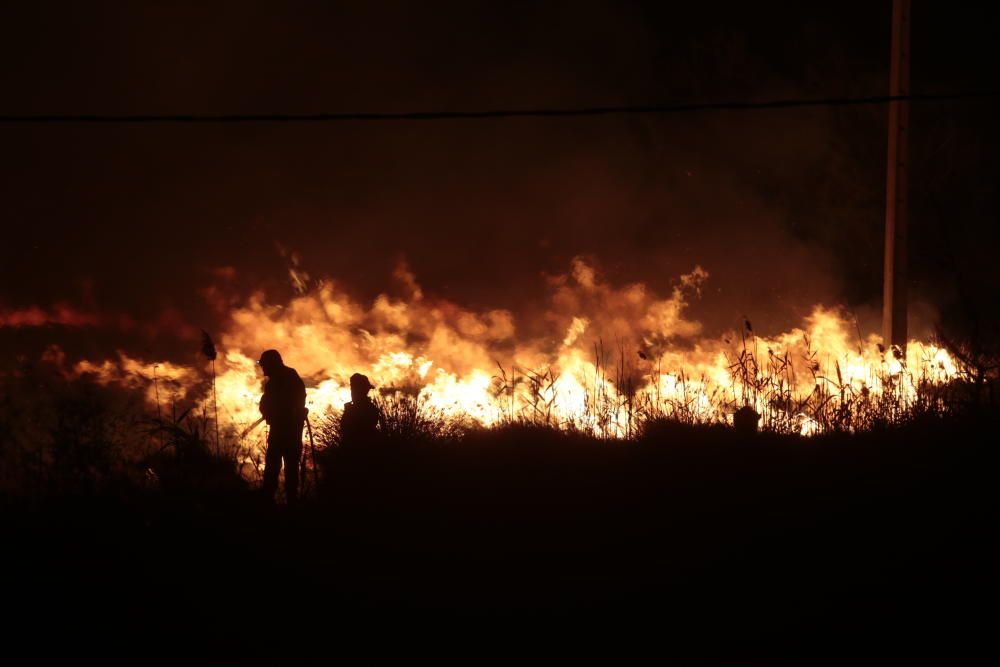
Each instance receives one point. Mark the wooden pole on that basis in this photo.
(894, 288)
(215, 401)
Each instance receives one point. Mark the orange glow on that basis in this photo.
(614, 357)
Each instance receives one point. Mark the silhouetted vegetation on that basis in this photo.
(714, 542)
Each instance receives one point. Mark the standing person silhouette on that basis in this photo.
(283, 407)
(359, 423)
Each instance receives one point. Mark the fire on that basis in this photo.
(612, 357)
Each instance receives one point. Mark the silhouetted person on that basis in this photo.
(283, 407)
(359, 423)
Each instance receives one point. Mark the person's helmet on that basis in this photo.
(270, 359)
(361, 383)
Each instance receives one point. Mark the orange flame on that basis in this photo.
(475, 366)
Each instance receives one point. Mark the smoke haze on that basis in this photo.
(782, 208)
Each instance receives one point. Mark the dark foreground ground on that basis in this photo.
(691, 543)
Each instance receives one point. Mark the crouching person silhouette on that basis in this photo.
(283, 407)
(360, 421)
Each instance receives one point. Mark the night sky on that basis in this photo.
(784, 208)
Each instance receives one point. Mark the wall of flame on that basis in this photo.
(611, 355)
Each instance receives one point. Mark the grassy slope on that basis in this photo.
(692, 538)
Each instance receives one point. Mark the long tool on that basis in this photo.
(251, 427)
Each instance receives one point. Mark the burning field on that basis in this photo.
(580, 300)
(602, 359)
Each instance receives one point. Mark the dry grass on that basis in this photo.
(75, 436)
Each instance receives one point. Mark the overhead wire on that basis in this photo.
(480, 114)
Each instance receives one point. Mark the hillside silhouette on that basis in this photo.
(706, 542)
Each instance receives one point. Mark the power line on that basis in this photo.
(492, 113)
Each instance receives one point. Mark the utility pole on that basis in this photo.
(894, 286)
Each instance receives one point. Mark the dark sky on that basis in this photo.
(784, 208)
